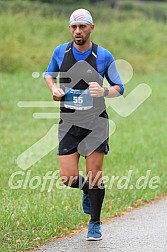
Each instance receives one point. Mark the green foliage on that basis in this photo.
(31, 32)
(62, 2)
(30, 41)
(153, 10)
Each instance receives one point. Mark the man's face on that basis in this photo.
(81, 32)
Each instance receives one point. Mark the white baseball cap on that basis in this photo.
(81, 16)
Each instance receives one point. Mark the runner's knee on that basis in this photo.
(69, 180)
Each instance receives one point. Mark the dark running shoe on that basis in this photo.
(94, 231)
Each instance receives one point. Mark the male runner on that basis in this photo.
(83, 126)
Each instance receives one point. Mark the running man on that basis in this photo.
(75, 78)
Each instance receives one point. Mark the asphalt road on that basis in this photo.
(142, 230)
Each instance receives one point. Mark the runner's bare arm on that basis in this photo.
(55, 90)
(97, 91)
(114, 91)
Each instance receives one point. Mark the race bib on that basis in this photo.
(78, 99)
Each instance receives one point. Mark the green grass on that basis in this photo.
(138, 144)
(31, 217)
(30, 36)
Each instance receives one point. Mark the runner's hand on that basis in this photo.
(95, 89)
(57, 93)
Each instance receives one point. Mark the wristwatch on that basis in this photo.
(106, 91)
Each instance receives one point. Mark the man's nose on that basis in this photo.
(77, 29)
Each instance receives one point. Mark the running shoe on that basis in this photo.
(94, 231)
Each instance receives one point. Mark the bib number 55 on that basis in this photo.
(78, 99)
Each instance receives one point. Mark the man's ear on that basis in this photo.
(92, 27)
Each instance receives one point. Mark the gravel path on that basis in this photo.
(143, 229)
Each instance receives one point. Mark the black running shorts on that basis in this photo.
(86, 138)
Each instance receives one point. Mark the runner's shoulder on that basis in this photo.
(60, 49)
(104, 54)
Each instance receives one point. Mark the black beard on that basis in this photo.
(80, 43)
